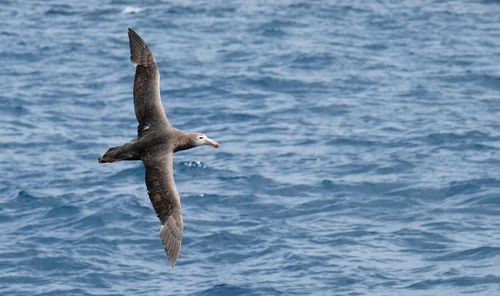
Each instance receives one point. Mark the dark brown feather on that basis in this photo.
(147, 101)
(165, 199)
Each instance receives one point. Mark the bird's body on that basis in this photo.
(155, 144)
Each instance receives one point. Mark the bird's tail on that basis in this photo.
(139, 51)
(128, 151)
(109, 156)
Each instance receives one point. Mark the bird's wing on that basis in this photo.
(147, 101)
(165, 199)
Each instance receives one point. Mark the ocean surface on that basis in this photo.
(360, 148)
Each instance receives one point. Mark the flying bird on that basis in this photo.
(156, 142)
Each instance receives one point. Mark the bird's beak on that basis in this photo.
(212, 143)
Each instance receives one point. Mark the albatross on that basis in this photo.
(156, 142)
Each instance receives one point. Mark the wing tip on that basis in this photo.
(169, 234)
(172, 260)
(172, 255)
(139, 51)
(133, 34)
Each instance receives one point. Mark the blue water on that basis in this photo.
(360, 148)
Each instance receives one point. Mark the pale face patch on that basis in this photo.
(201, 139)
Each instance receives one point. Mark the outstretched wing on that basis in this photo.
(147, 102)
(165, 200)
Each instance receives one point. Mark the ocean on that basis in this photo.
(359, 148)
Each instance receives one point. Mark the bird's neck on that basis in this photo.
(184, 142)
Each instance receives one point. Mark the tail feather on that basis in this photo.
(139, 51)
(109, 156)
(127, 151)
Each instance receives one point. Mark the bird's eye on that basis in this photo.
(201, 137)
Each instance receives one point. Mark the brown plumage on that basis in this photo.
(155, 144)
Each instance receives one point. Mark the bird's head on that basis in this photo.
(199, 139)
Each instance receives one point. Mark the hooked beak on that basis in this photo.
(212, 143)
